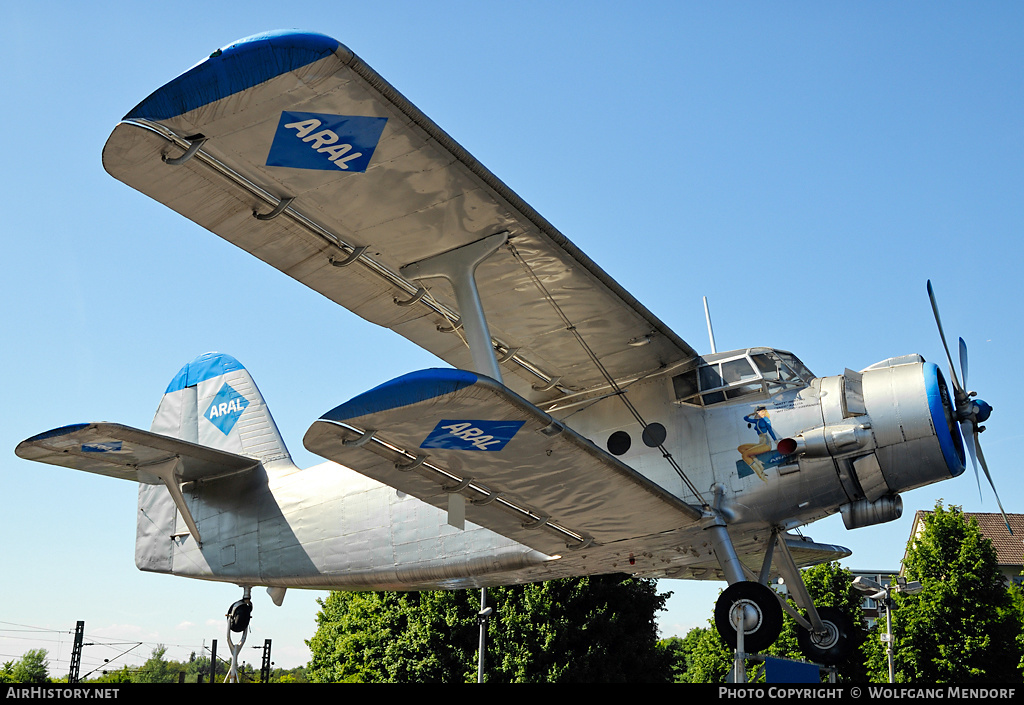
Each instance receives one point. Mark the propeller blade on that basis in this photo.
(967, 429)
(938, 322)
(963, 361)
(984, 466)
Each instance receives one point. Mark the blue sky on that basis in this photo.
(807, 166)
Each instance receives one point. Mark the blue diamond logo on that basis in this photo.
(225, 409)
(472, 435)
(338, 143)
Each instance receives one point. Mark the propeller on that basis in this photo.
(969, 412)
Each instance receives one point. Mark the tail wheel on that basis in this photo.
(239, 614)
(835, 644)
(752, 607)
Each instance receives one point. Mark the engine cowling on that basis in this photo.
(892, 427)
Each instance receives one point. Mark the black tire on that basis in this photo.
(238, 615)
(767, 615)
(836, 645)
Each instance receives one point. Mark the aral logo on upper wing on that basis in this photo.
(327, 142)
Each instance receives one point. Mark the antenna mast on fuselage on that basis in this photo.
(711, 333)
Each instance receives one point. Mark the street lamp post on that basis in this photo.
(883, 595)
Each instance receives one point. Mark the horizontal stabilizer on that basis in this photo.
(522, 474)
(122, 451)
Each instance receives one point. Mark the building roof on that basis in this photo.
(1009, 548)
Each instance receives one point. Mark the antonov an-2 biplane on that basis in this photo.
(575, 433)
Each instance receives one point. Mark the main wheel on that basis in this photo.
(835, 644)
(752, 607)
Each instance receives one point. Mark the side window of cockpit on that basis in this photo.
(734, 373)
(737, 370)
(775, 371)
(799, 372)
(711, 378)
(770, 369)
(685, 386)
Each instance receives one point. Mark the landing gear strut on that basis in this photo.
(238, 621)
(748, 614)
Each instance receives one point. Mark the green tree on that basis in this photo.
(157, 669)
(680, 653)
(200, 666)
(392, 637)
(709, 659)
(122, 675)
(963, 626)
(32, 667)
(577, 630)
(289, 675)
(573, 630)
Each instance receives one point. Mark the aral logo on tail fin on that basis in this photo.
(225, 408)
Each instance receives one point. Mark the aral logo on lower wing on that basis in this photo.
(225, 409)
(328, 142)
(472, 435)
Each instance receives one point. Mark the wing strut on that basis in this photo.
(459, 267)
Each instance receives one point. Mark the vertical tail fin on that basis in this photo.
(213, 401)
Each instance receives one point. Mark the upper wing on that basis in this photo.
(375, 183)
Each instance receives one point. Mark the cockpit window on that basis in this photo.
(799, 371)
(711, 377)
(741, 373)
(737, 370)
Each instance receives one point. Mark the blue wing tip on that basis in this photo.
(403, 391)
(53, 433)
(233, 68)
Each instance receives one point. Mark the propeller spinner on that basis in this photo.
(969, 412)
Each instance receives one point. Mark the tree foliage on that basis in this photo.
(964, 626)
(157, 669)
(32, 667)
(596, 629)
(392, 637)
(708, 658)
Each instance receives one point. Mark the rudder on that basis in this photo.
(214, 402)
